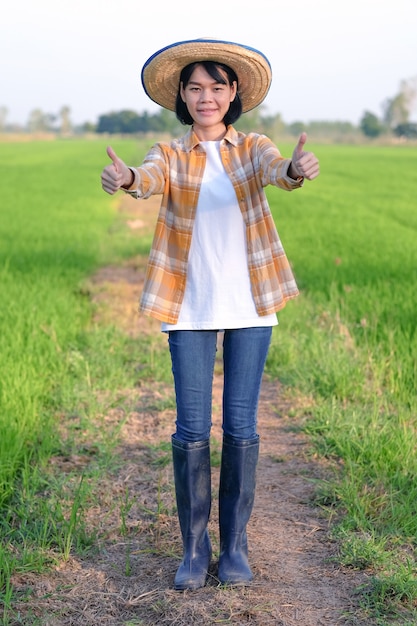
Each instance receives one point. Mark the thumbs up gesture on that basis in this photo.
(115, 175)
(303, 163)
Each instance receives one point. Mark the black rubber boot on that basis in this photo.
(236, 497)
(192, 476)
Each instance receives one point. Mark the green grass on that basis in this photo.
(56, 228)
(348, 343)
(48, 241)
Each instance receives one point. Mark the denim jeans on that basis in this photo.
(193, 354)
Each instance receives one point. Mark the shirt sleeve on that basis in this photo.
(274, 167)
(149, 178)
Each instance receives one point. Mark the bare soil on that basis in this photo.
(128, 579)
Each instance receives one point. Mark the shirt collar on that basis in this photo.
(191, 140)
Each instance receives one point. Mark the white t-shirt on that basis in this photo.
(218, 291)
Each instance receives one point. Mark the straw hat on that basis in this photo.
(161, 72)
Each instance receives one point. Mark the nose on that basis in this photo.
(205, 95)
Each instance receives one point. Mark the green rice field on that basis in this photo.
(348, 344)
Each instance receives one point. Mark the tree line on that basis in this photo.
(396, 116)
(395, 119)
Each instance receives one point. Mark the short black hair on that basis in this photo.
(213, 69)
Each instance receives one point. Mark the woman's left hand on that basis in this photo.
(303, 163)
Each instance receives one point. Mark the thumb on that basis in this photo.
(111, 153)
(300, 145)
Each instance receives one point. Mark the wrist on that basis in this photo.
(292, 172)
(131, 180)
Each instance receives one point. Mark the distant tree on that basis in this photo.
(112, 122)
(411, 88)
(272, 125)
(87, 127)
(66, 125)
(38, 121)
(397, 110)
(124, 122)
(370, 125)
(408, 130)
(127, 122)
(296, 128)
(3, 116)
(167, 122)
(251, 121)
(330, 128)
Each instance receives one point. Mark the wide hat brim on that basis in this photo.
(161, 72)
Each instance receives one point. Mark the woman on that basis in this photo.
(216, 263)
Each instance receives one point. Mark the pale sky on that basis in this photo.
(331, 59)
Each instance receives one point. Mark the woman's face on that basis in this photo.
(207, 100)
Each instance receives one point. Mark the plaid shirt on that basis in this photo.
(176, 170)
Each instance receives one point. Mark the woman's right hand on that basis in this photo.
(116, 175)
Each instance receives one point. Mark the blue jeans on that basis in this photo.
(193, 354)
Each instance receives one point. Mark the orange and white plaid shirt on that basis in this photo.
(175, 170)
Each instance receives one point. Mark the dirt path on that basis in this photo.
(128, 581)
